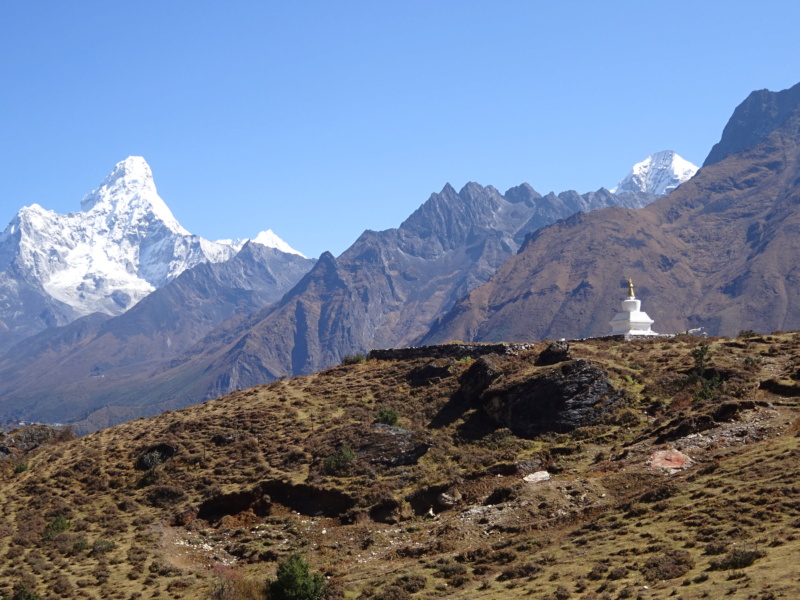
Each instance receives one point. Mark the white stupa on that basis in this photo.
(631, 321)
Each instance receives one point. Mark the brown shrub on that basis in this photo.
(164, 496)
(667, 565)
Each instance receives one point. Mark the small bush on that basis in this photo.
(294, 582)
(561, 593)
(164, 496)
(598, 571)
(102, 546)
(449, 569)
(618, 573)
(394, 592)
(386, 416)
(738, 558)
(21, 592)
(354, 359)
(20, 468)
(518, 572)
(668, 565)
(716, 548)
(411, 583)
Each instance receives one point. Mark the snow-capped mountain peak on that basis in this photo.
(270, 240)
(129, 193)
(658, 174)
(123, 244)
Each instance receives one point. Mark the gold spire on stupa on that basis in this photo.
(630, 288)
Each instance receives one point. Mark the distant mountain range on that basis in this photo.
(226, 324)
(720, 252)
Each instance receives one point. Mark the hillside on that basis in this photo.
(528, 471)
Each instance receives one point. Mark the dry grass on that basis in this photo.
(91, 518)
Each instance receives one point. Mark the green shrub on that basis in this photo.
(57, 525)
(294, 582)
(701, 354)
(20, 468)
(152, 459)
(386, 416)
(339, 462)
(353, 359)
(21, 592)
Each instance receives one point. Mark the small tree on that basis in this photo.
(294, 582)
(701, 354)
(340, 461)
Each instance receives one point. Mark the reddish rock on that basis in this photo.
(671, 460)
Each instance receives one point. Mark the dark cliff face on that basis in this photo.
(753, 120)
(720, 252)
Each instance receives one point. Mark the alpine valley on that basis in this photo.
(218, 319)
(463, 465)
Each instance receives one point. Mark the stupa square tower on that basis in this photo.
(631, 321)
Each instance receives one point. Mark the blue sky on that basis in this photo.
(322, 119)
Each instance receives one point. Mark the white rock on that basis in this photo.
(537, 477)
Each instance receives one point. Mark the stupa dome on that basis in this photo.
(631, 321)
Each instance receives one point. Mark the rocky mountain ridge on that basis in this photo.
(719, 252)
(383, 291)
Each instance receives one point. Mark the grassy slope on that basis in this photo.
(604, 526)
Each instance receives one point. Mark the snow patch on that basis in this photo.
(658, 174)
(270, 240)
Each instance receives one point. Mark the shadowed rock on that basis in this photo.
(393, 446)
(574, 395)
(555, 353)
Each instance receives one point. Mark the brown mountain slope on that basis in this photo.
(680, 481)
(720, 252)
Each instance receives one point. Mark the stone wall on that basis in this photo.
(448, 351)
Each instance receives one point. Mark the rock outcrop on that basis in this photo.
(575, 394)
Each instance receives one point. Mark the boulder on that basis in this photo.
(480, 375)
(22, 441)
(393, 446)
(431, 372)
(669, 461)
(555, 353)
(573, 395)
